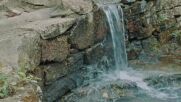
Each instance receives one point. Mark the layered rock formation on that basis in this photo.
(51, 39)
(153, 29)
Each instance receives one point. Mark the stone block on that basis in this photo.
(55, 71)
(50, 28)
(82, 35)
(55, 49)
(20, 49)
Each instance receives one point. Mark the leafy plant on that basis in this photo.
(4, 86)
(27, 78)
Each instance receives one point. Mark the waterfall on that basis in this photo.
(114, 14)
(103, 86)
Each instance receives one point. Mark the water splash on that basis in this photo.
(134, 77)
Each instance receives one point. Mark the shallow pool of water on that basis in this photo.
(129, 86)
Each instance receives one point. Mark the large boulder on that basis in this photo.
(89, 30)
(20, 48)
(29, 51)
(82, 35)
(50, 28)
(14, 22)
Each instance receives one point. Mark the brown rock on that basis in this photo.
(100, 25)
(165, 37)
(55, 49)
(82, 35)
(90, 29)
(54, 71)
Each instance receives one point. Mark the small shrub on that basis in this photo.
(4, 86)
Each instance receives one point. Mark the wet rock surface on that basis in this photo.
(107, 92)
(165, 80)
(162, 87)
(55, 70)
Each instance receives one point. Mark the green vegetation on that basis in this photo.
(24, 78)
(4, 86)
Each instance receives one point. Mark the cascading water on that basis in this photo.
(108, 87)
(116, 24)
(115, 18)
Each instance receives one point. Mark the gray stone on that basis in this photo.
(78, 6)
(106, 1)
(177, 11)
(61, 12)
(63, 86)
(20, 49)
(13, 22)
(30, 51)
(50, 28)
(58, 70)
(37, 2)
